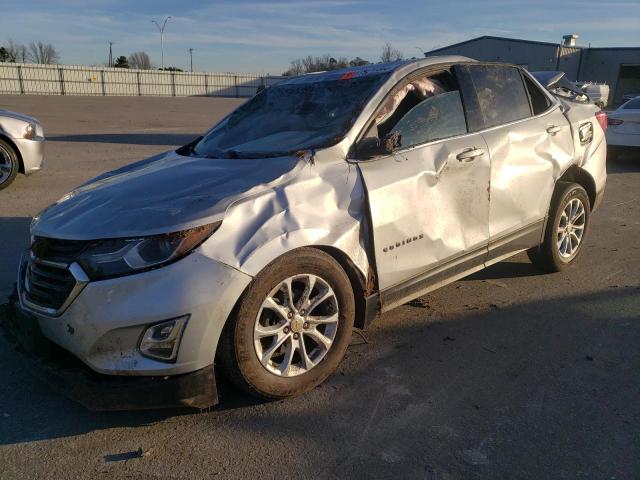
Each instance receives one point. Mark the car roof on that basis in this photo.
(400, 66)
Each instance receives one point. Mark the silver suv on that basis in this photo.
(312, 208)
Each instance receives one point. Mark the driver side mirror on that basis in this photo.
(370, 147)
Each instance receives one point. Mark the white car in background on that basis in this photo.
(21, 146)
(623, 132)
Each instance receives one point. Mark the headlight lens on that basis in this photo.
(29, 131)
(117, 257)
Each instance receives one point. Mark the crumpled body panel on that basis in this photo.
(323, 204)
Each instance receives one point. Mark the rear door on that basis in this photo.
(429, 200)
(530, 144)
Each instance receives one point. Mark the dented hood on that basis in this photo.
(162, 194)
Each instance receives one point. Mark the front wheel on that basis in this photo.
(292, 326)
(9, 164)
(567, 226)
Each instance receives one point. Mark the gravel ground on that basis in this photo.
(506, 374)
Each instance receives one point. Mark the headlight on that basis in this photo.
(114, 258)
(29, 131)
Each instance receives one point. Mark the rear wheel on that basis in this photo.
(292, 327)
(566, 229)
(9, 164)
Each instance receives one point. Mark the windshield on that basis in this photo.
(295, 115)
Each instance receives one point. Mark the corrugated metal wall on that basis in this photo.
(30, 79)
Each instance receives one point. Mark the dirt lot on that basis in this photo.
(506, 374)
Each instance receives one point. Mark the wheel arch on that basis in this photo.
(10, 142)
(583, 178)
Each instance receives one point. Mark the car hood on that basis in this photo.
(17, 116)
(162, 194)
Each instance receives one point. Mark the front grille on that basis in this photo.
(48, 278)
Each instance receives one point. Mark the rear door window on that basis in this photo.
(500, 93)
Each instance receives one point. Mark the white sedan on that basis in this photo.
(21, 146)
(623, 132)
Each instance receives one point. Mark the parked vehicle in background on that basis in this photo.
(321, 202)
(21, 146)
(629, 96)
(623, 132)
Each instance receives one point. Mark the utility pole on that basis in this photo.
(161, 30)
(110, 54)
(191, 58)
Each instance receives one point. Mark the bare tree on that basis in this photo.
(140, 60)
(44, 53)
(16, 52)
(390, 54)
(320, 63)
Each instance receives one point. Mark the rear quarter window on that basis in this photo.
(502, 97)
(539, 101)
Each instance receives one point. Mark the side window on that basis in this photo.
(500, 92)
(539, 101)
(432, 119)
(422, 110)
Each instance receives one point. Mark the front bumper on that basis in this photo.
(67, 375)
(103, 324)
(32, 153)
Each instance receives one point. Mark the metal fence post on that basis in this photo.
(206, 85)
(138, 83)
(60, 74)
(173, 84)
(235, 81)
(104, 92)
(20, 81)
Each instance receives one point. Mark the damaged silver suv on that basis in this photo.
(319, 203)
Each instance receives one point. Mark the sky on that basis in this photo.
(255, 36)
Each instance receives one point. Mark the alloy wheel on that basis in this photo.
(571, 228)
(296, 325)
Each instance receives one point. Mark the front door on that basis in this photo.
(429, 201)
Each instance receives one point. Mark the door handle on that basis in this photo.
(470, 154)
(553, 129)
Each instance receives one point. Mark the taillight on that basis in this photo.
(615, 121)
(602, 119)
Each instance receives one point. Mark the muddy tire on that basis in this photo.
(291, 327)
(566, 229)
(9, 164)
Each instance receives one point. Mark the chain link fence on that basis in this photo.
(31, 79)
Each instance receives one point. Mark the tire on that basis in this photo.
(241, 348)
(9, 164)
(563, 242)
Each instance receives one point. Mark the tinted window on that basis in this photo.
(501, 94)
(633, 104)
(539, 101)
(432, 119)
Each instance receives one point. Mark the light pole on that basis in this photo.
(161, 30)
(191, 58)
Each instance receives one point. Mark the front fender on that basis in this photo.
(323, 205)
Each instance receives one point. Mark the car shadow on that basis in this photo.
(507, 269)
(128, 138)
(15, 239)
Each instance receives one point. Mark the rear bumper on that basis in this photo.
(68, 376)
